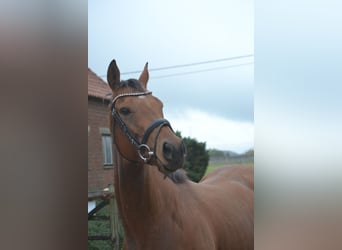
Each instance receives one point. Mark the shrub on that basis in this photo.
(197, 158)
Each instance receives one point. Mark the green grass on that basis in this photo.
(101, 228)
(210, 168)
(214, 166)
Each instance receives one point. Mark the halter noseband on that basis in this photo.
(144, 151)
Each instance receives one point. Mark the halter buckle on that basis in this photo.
(145, 152)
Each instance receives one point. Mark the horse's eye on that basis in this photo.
(125, 111)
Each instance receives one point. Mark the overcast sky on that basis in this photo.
(212, 102)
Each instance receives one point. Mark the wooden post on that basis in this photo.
(114, 219)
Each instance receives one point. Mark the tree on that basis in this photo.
(249, 152)
(197, 158)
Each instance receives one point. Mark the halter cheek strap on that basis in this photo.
(144, 151)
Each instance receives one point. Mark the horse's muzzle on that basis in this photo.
(174, 155)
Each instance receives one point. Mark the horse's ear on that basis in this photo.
(143, 78)
(113, 75)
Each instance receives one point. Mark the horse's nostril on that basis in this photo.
(168, 151)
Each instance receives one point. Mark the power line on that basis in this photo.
(188, 64)
(203, 70)
(192, 64)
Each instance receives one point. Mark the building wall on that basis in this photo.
(99, 176)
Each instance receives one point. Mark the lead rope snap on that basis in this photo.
(145, 152)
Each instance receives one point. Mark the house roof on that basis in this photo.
(97, 87)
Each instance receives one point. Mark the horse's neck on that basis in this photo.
(142, 195)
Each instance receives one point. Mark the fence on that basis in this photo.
(104, 228)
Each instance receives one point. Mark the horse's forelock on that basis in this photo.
(132, 83)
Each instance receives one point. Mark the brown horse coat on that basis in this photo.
(216, 213)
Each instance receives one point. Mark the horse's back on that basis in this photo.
(229, 196)
(241, 174)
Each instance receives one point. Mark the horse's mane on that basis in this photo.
(178, 176)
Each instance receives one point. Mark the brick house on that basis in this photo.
(100, 158)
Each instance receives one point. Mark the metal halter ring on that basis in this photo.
(145, 152)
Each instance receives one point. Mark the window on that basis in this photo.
(107, 150)
(107, 147)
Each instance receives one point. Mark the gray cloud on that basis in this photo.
(232, 99)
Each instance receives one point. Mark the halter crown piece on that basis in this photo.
(144, 151)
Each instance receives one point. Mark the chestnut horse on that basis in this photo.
(159, 207)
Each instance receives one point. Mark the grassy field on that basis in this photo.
(212, 167)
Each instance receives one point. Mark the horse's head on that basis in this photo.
(140, 132)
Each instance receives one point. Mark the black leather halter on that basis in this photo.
(144, 151)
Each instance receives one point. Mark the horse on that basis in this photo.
(159, 207)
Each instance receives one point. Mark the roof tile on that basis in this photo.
(97, 87)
